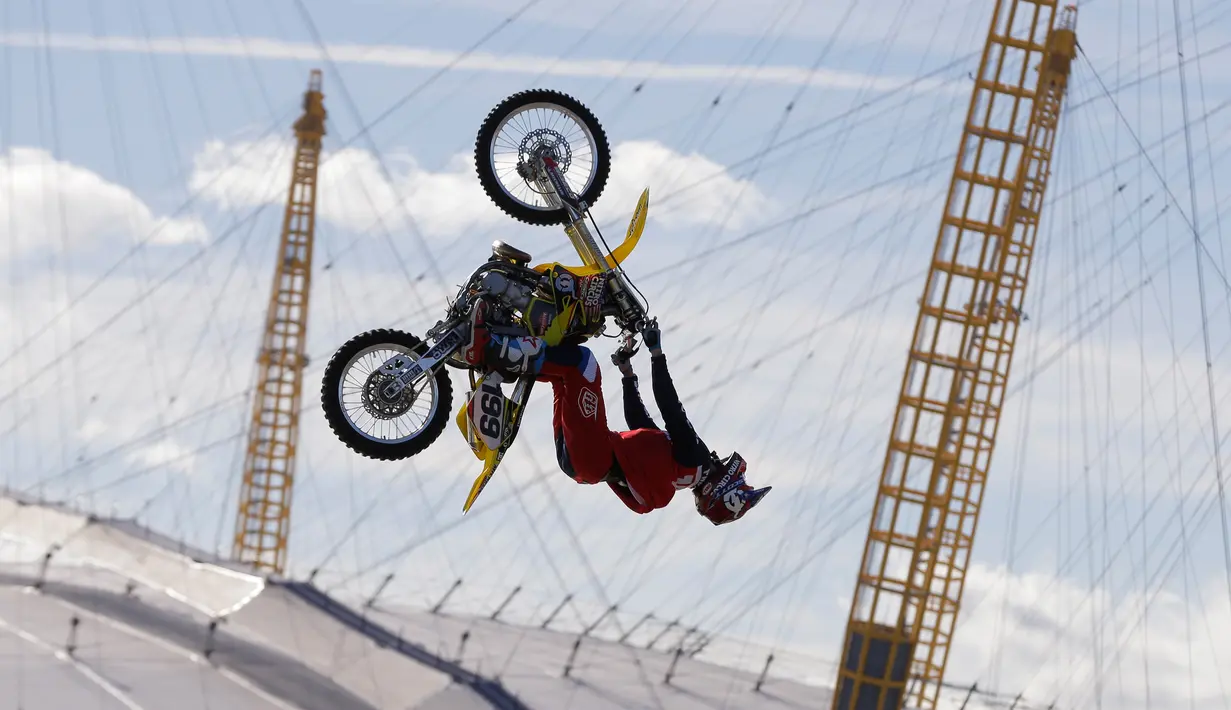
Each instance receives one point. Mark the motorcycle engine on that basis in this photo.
(515, 294)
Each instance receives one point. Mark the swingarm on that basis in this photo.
(404, 371)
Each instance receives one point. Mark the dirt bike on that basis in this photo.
(547, 180)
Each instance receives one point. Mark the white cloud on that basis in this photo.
(1048, 647)
(165, 454)
(442, 203)
(353, 191)
(35, 189)
(1058, 638)
(638, 164)
(423, 58)
(355, 194)
(912, 27)
(244, 174)
(98, 434)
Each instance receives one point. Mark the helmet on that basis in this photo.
(723, 495)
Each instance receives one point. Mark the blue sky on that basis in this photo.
(749, 250)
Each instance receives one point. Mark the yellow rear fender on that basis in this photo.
(472, 438)
(489, 467)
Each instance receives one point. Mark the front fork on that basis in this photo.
(558, 194)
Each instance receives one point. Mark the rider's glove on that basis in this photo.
(652, 337)
(623, 354)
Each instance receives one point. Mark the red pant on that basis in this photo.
(579, 419)
(587, 450)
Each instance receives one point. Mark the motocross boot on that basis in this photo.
(507, 354)
(722, 494)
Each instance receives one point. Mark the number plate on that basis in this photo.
(446, 345)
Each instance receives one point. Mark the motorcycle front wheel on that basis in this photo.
(366, 421)
(525, 123)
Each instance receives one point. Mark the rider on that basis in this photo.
(645, 466)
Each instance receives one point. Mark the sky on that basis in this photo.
(797, 156)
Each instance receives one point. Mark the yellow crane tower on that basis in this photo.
(927, 505)
(263, 523)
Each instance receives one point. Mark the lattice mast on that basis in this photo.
(263, 523)
(914, 563)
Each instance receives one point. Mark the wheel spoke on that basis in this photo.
(369, 413)
(526, 129)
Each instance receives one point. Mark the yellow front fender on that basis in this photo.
(635, 227)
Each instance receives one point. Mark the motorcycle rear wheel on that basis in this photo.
(374, 348)
(531, 119)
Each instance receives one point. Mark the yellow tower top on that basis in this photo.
(311, 124)
(1062, 44)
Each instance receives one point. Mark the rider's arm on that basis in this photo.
(635, 414)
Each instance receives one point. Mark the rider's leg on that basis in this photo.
(722, 494)
(688, 448)
(649, 469)
(583, 441)
(636, 416)
(511, 354)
